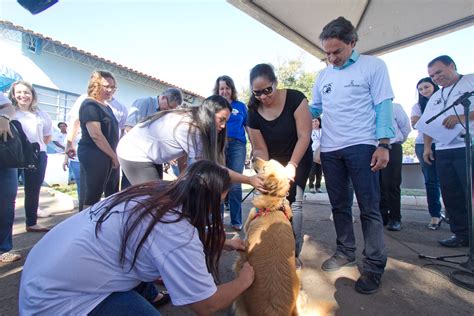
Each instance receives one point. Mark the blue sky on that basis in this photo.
(190, 43)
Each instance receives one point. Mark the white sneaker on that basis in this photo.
(42, 213)
(312, 190)
(8, 257)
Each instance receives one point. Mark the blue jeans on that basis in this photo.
(8, 189)
(451, 167)
(353, 164)
(75, 168)
(431, 181)
(235, 153)
(33, 180)
(133, 302)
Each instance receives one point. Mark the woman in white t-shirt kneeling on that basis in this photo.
(171, 230)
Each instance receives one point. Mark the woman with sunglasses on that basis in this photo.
(100, 135)
(279, 126)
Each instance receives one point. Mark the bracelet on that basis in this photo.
(6, 117)
(293, 163)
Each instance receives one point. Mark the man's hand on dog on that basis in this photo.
(234, 244)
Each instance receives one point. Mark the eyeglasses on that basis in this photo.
(111, 88)
(265, 91)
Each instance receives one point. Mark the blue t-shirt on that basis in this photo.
(237, 121)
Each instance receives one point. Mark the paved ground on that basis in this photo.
(410, 285)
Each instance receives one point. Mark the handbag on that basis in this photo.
(17, 151)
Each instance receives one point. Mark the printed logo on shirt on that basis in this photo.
(351, 84)
(327, 88)
(438, 101)
(235, 112)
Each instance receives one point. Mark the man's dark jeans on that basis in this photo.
(451, 168)
(339, 167)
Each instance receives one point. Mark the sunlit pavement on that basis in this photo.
(409, 287)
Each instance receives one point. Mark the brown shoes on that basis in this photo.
(37, 229)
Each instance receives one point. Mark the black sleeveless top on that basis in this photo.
(280, 134)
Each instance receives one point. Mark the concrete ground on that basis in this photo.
(410, 286)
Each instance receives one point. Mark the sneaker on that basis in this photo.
(8, 257)
(454, 241)
(394, 226)
(336, 262)
(435, 223)
(42, 213)
(368, 283)
(312, 190)
(319, 191)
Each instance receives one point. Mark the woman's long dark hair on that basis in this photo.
(422, 101)
(260, 70)
(202, 120)
(197, 191)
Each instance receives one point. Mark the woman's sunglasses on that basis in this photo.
(265, 91)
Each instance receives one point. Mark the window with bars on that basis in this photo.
(56, 103)
(32, 43)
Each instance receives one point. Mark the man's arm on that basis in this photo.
(384, 130)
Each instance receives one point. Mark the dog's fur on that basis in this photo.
(270, 249)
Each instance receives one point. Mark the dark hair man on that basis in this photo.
(355, 93)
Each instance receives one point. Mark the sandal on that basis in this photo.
(165, 299)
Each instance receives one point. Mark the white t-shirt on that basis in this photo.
(401, 124)
(36, 126)
(436, 104)
(61, 139)
(163, 140)
(416, 111)
(348, 98)
(119, 110)
(316, 138)
(70, 270)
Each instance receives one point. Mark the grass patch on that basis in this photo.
(67, 189)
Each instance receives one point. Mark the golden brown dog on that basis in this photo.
(270, 248)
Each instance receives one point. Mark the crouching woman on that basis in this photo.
(102, 256)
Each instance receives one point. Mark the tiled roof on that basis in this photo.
(39, 35)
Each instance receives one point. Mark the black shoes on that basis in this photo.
(368, 283)
(394, 225)
(454, 241)
(336, 262)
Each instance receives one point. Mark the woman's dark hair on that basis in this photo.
(422, 101)
(320, 122)
(340, 28)
(261, 70)
(194, 196)
(229, 82)
(202, 126)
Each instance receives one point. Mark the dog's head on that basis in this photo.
(274, 176)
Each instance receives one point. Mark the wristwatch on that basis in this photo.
(386, 146)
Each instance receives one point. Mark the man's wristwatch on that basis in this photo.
(384, 145)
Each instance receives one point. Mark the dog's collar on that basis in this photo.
(264, 211)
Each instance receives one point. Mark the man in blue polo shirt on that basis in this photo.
(355, 93)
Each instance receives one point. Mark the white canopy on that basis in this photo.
(382, 25)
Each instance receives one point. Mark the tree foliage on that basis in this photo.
(409, 147)
(291, 75)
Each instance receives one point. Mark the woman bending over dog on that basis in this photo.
(106, 258)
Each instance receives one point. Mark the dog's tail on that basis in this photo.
(308, 306)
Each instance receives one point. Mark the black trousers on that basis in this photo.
(316, 173)
(390, 181)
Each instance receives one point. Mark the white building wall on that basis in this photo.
(57, 72)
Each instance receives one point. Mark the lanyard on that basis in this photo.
(449, 93)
